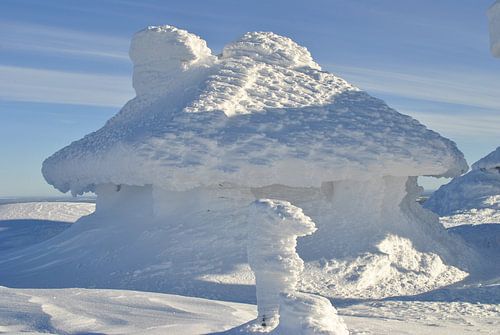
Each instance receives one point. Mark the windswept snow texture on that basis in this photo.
(81, 311)
(494, 17)
(473, 198)
(261, 113)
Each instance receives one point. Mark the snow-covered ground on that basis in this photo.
(81, 311)
(471, 308)
(95, 311)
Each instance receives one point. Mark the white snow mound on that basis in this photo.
(397, 267)
(308, 314)
(475, 194)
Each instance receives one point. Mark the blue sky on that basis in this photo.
(64, 68)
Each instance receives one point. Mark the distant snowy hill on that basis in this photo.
(47, 210)
(473, 198)
(25, 224)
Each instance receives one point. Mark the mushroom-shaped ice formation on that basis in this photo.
(206, 135)
(262, 113)
(473, 197)
(272, 238)
(494, 18)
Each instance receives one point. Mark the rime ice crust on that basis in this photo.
(267, 47)
(261, 113)
(161, 54)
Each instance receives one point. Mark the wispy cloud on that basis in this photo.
(37, 85)
(41, 38)
(459, 126)
(471, 89)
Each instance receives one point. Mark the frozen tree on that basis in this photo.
(275, 227)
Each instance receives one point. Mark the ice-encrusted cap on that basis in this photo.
(262, 113)
(270, 48)
(494, 18)
(164, 44)
(490, 161)
(162, 53)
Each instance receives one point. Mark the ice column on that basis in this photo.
(272, 239)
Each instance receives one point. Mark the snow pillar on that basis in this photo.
(494, 18)
(272, 239)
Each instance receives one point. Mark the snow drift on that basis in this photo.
(473, 198)
(175, 170)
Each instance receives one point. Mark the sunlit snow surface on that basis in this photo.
(94, 311)
(471, 309)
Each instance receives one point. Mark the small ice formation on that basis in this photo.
(471, 198)
(274, 228)
(494, 18)
(272, 238)
(308, 314)
(207, 134)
